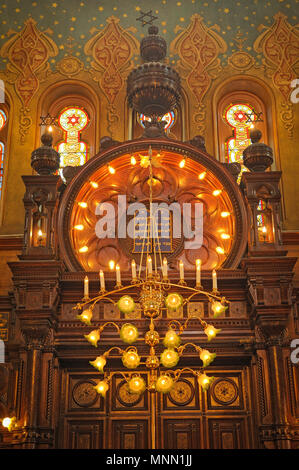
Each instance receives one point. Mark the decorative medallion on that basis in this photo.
(181, 393)
(241, 61)
(84, 394)
(125, 397)
(224, 391)
(70, 66)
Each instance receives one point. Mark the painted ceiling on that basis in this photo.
(71, 23)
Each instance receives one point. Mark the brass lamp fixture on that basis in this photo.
(156, 293)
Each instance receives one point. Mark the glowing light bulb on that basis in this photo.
(174, 301)
(211, 332)
(202, 175)
(130, 359)
(206, 357)
(217, 192)
(82, 204)
(111, 264)
(264, 229)
(99, 363)
(126, 305)
(128, 333)
(169, 358)
(50, 129)
(218, 308)
(40, 233)
(171, 340)
(164, 383)
(102, 387)
(225, 214)
(137, 384)
(8, 423)
(220, 250)
(84, 249)
(111, 169)
(182, 163)
(85, 316)
(225, 236)
(133, 160)
(93, 337)
(79, 227)
(204, 381)
(94, 184)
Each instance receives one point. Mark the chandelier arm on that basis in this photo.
(179, 372)
(182, 348)
(196, 291)
(109, 323)
(173, 326)
(105, 296)
(106, 353)
(111, 374)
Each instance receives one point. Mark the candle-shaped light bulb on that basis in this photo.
(198, 272)
(164, 269)
(214, 276)
(181, 270)
(133, 265)
(118, 278)
(102, 280)
(149, 266)
(86, 287)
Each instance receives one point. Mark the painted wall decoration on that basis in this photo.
(111, 49)
(28, 53)
(280, 47)
(198, 48)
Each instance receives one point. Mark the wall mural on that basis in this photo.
(280, 47)
(198, 48)
(111, 50)
(28, 53)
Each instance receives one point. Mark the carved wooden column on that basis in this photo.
(36, 278)
(270, 292)
(269, 274)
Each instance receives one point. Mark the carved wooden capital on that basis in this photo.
(36, 336)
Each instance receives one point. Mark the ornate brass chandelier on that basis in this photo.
(156, 293)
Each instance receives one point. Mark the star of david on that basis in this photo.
(254, 117)
(149, 16)
(48, 120)
(240, 116)
(73, 119)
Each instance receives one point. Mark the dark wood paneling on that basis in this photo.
(227, 433)
(129, 434)
(181, 433)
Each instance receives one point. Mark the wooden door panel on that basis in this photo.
(181, 433)
(129, 434)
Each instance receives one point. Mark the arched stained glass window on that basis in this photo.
(73, 151)
(241, 118)
(3, 120)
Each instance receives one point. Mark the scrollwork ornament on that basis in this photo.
(287, 117)
(25, 122)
